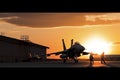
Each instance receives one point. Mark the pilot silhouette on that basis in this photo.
(102, 58)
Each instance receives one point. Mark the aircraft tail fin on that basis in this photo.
(64, 47)
(71, 42)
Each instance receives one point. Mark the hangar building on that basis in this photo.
(12, 49)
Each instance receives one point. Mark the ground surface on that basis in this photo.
(59, 64)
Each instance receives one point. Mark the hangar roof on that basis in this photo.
(19, 42)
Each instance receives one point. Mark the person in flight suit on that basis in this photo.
(103, 58)
(91, 58)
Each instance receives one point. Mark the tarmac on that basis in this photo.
(60, 64)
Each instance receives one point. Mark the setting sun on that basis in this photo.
(98, 46)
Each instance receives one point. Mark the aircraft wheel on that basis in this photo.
(64, 60)
(76, 61)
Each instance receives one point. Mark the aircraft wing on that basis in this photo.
(56, 53)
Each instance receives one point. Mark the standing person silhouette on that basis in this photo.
(91, 58)
(103, 58)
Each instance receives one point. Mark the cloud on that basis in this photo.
(105, 17)
(40, 19)
(116, 43)
(48, 20)
(8, 18)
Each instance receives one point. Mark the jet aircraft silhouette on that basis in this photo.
(76, 50)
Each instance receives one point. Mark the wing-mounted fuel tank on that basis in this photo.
(85, 53)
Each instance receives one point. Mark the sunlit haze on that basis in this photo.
(97, 45)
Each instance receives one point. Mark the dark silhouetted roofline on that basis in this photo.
(17, 41)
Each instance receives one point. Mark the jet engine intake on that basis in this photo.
(63, 56)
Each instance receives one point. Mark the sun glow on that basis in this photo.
(98, 46)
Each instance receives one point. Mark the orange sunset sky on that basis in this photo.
(92, 30)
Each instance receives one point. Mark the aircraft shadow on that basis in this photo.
(90, 65)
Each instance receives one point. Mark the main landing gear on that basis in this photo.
(75, 60)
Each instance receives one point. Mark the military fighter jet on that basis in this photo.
(76, 50)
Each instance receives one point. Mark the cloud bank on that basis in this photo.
(48, 20)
